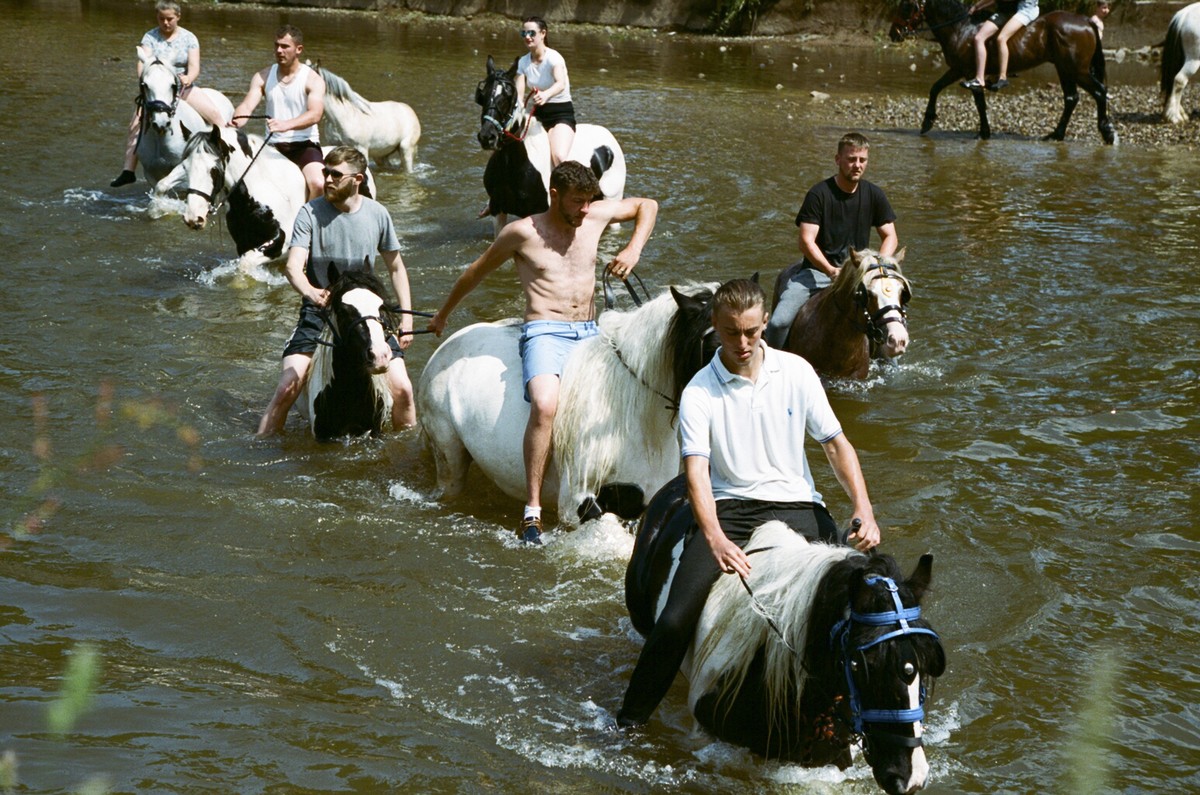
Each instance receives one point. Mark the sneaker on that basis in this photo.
(124, 178)
(531, 530)
(972, 84)
(999, 84)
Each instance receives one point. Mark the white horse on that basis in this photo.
(167, 120)
(387, 131)
(517, 176)
(1180, 60)
(615, 420)
(265, 191)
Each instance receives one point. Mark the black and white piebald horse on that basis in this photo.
(820, 647)
(517, 177)
(614, 435)
(264, 191)
(346, 393)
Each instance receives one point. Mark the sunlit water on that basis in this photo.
(294, 616)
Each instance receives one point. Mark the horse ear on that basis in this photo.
(144, 55)
(512, 70)
(186, 132)
(754, 278)
(685, 301)
(899, 255)
(922, 575)
(491, 65)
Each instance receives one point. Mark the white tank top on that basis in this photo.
(287, 101)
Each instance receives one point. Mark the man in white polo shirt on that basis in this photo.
(743, 420)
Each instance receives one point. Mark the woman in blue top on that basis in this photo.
(178, 48)
(544, 71)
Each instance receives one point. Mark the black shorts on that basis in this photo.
(301, 152)
(308, 330)
(740, 518)
(553, 113)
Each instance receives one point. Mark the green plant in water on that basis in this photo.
(79, 686)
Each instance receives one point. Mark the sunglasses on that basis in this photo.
(528, 34)
(337, 175)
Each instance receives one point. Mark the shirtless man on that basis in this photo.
(295, 97)
(555, 254)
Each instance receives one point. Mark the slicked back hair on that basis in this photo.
(738, 296)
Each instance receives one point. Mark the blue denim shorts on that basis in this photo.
(545, 345)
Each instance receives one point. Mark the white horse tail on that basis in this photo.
(784, 583)
(613, 406)
(340, 90)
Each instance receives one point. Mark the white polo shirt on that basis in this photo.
(753, 432)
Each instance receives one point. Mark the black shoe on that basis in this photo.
(999, 84)
(627, 722)
(126, 177)
(531, 530)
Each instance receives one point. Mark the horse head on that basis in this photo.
(159, 89)
(882, 293)
(906, 20)
(690, 337)
(496, 94)
(357, 316)
(204, 165)
(889, 656)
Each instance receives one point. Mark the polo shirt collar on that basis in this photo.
(770, 364)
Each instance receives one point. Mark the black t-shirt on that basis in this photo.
(845, 219)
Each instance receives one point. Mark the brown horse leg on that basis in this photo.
(1070, 100)
(931, 108)
(1100, 93)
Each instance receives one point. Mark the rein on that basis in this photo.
(672, 405)
(610, 299)
(215, 206)
(839, 637)
(395, 332)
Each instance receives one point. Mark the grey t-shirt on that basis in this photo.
(340, 241)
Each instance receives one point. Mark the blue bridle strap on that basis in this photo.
(840, 634)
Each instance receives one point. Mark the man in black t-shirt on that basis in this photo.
(838, 214)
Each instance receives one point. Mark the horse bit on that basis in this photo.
(877, 320)
(839, 637)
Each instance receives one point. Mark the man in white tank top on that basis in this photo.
(295, 97)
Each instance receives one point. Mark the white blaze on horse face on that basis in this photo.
(889, 292)
(158, 86)
(367, 304)
(919, 764)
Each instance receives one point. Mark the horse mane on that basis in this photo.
(635, 358)
(785, 582)
(340, 90)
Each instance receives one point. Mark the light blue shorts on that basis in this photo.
(545, 345)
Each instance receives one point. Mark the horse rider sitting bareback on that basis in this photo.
(295, 95)
(837, 215)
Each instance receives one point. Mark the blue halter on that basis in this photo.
(840, 635)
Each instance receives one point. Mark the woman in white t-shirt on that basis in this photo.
(178, 48)
(544, 72)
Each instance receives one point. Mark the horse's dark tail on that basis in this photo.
(1172, 55)
(1098, 67)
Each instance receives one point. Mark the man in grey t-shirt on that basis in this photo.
(338, 232)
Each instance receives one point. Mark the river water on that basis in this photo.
(287, 616)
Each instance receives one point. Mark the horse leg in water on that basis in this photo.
(931, 108)
(1099, 93)
(1070, 100)
(985, 129)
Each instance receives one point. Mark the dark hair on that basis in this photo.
(572, 175)
(738, 296)
(853, 140)
(348, 155)
(290, 30)
(541, 23)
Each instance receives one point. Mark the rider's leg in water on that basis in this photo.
(128, 173)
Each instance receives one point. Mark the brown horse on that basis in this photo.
(861, 314)
(1069, 41)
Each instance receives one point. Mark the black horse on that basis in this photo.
(517, 177)
(1069, 41)
(820, 647)
(347, 393)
